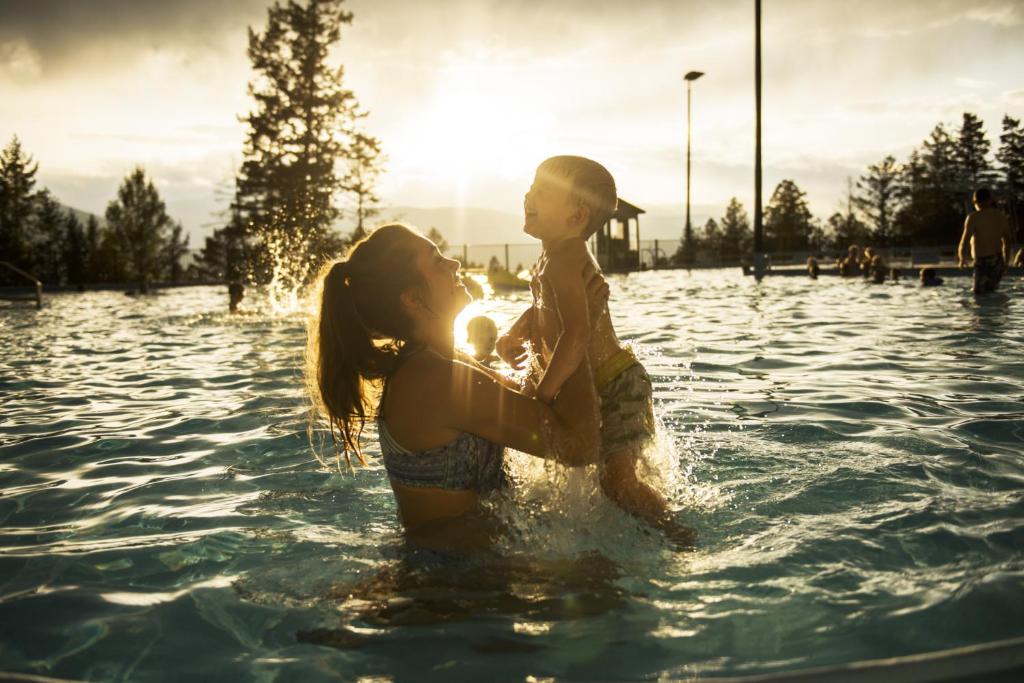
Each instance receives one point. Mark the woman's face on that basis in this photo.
(446, 296)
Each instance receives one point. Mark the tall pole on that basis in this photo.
(690, 77)
(689, 227)
(758, 223)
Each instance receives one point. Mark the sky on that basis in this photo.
(468, 96)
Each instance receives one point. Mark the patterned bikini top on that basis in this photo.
(469, 462)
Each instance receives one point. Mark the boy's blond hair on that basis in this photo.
(592, 186)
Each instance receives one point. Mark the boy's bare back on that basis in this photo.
(546, 318)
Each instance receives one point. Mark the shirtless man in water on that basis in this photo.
(988, 231)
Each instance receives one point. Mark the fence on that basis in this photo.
(654, 254)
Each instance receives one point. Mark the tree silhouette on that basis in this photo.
(17, 203)
(880, 192)
(788, 223)
(297, 133)
(365, 165)
(173, 250)
(971, 158)
(139, 223)
(736, 233)
(75, 250)
(47, 240)
(1011, 162)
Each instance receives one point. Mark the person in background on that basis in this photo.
(929, 279)
(482, 333)
(894, 274)
(850, 266)
(812, 267)
(878, 269)
(988, 231)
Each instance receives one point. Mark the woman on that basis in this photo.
(386, 321)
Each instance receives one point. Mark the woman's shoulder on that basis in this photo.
(419, 373)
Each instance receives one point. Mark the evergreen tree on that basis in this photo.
(93, 270)
(47, 239)
(847, 229)
(788, 223)
(435, 236)
(711, 238)
(174, 249)
(75, 251)
(971, 158)
(17, 182)
(297, 133)
(736, 233)
(879, 195)
(911, 223)
(211, 260)
(139, 223)
(940, 208)
(1011, 168)
(365, 165)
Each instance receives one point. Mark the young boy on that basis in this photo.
(570, 199)
(482, 333)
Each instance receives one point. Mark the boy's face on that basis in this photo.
(550, 211)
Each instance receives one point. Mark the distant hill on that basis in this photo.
(474, 225)
(83, 215)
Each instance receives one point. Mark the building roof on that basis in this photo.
(625, 210)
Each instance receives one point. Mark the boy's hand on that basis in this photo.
(511, 351)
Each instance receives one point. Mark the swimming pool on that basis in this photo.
(849, 453)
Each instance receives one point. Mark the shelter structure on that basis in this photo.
(615, 252)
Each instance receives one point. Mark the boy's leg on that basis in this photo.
(620, 483)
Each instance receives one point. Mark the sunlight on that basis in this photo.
(480, 124)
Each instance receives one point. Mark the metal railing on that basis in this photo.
(31, 278)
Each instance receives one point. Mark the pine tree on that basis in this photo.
(736, 233)
(174, 249)
(940, 208)
(75, 250)
(1011, 168)
(879, 195)
(788, 223)
(365, 165)
(93, 269)
(711, 238)
(911, 223)
(297, 133)
(47, 239)
(139, 223)
(17, 205)
(971, 158)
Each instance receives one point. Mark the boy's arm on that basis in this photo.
(565, 274)
(509, 346)
(964, 239)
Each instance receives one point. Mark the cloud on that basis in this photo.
(1004, 15)
(18, 61)
(60, 32)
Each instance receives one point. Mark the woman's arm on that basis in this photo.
(464, 398)
(491, 372)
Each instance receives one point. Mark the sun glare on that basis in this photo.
(477, 125)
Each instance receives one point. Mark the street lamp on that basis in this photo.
(688, 235)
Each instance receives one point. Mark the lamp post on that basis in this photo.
(688, 234)
(758, 218)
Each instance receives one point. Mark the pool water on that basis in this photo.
(850, 454)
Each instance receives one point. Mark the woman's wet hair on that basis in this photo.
(358, 331)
